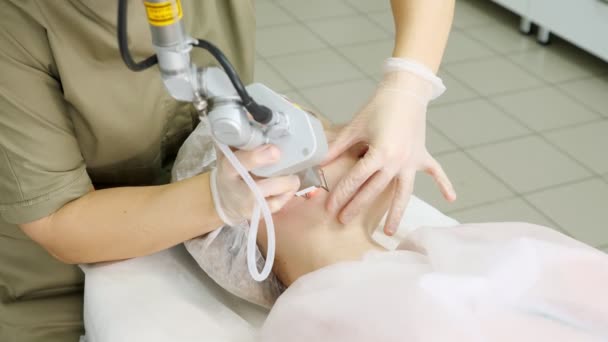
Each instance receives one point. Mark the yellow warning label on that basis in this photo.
(163, 13)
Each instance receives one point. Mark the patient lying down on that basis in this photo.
(483, 282)
(308, 238)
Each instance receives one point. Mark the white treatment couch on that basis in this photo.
(167, 297)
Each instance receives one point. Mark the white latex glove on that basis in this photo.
(393, 124)
(233, 200)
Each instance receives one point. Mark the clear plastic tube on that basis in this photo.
(261, 207)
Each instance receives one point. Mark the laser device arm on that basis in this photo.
(221, 95)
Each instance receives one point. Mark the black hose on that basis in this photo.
(123, 44)
(260, 113)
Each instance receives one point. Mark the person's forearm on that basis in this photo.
(421, 29)
(121, 223)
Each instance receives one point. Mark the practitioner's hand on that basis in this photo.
(233, 200)
(393, 123)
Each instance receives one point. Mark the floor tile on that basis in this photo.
(263, 73)
(369, 57)
(370, 5)
(592, 92)
(286, 39)
(529, 164)
(502, 38)
(267, 14)
(492, 76)
(511, 210)
(351, 30)
(314, 9)
(384, 19)
(469, 14)
(339, 102)
(455, 90)
(587, 143)
(461, 48)
(437, 143)
(473, 185)
(474, 122)
(315, 68)
(580, 209)
(554, 67)
(544, 108)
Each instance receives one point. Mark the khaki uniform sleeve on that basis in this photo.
(41, 167)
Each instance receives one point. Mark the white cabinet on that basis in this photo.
(582, 22)
(520, 7)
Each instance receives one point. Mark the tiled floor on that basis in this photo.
(522, 130)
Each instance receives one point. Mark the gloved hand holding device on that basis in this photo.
(233, 200)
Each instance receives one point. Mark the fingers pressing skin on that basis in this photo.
(435, 170)
(349, 185)
(345, 139)
(368, 193)
(403, 191)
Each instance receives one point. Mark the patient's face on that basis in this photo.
(308, 236)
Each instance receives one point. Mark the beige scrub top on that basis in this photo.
(72, 117)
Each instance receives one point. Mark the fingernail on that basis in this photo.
(453, 196)
(389, 230)
(270, 152)
(296, 181)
